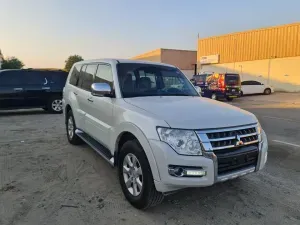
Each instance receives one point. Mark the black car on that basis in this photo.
(32, 88)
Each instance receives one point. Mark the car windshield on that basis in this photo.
(232, 79)
(138, 79)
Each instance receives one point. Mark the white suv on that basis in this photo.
(148, 120)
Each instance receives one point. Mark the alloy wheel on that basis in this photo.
(70, 128)
(57, 105)
(132, 174)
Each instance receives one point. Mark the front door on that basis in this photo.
(12, 89)
(99, 116)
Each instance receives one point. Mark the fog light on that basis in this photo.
(197, 173)
(182, 171)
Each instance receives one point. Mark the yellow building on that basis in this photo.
(185, 60)
(270, 55)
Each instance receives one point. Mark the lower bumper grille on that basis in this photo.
(229, 162)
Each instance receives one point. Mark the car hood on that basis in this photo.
(189, 112)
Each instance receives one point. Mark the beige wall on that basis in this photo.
(183, 59)
(154, 56)
(284, 73)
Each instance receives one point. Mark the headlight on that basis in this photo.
(184, 142)
(259, 132)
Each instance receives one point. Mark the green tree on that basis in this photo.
(12, 63)
(71, 60)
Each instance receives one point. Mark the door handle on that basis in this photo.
(90, 100)
(18, 89)
(75, 93)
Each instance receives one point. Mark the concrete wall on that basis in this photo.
(272, 42)
(183, 59)
(188, 73)
(282, 73)
(154, 56)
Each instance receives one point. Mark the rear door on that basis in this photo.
(37, 88)
(233, 84)
(257, 87)
(12, 89)
(246, 87)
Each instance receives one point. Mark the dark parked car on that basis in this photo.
(32, 88)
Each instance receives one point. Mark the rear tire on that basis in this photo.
(55, 105)
(70, 128)
(267, 91)
(140, 190)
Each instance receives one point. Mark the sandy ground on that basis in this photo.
(45, 180)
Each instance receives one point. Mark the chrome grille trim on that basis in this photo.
(224, 138)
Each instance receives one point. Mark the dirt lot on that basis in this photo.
(44, 180)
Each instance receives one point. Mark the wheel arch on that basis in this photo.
(132, 132)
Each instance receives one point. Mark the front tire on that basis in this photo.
(136, 178)
(71, 127)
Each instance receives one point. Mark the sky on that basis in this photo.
(43, 33)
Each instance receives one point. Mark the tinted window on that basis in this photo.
(251, 82)
(56, 77)
(255, 83)
(246, 82)
(104, 75)
(75, 75)
(232, 79)
(81, 76)
(35, 78)
(11, 78)
(88, 77)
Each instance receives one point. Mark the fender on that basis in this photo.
(137, 132)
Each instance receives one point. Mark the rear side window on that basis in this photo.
(88, 77)
(104, 75)
(75, 75)
(12, 78)
(56, 77)
(35, 78)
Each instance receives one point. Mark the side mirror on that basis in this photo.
(101, 89)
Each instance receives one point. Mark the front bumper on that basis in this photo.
(166, 156)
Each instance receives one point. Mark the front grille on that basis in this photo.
(236, 148)
(230, 137)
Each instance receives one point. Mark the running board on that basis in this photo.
(100, 149)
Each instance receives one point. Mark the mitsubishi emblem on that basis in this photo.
(238, 142)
